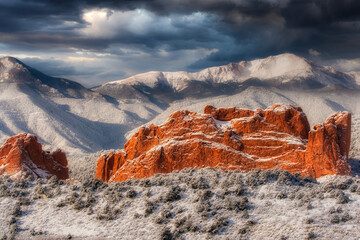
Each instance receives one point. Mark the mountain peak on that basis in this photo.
(283, 65)
(13, 70)
(8, 59)
(11, 67)
(11, 62)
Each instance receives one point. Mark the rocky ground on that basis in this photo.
(202, 203)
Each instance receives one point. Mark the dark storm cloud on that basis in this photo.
(238, 29)
(321, 13)
(34, 15)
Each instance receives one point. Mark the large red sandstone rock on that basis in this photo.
(22, 155)
(230, 138)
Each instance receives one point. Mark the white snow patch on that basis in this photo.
(223, 124)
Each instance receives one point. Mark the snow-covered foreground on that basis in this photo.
(191, 204)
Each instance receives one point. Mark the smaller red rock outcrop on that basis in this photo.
(328, 146)
(230, 138)
(22, 155)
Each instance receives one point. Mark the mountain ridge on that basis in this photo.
(281, 71)
(282, 65)
(284, 71)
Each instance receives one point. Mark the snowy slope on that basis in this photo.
(318, 105)
(64, 114)
(61, 112)
(77, 126)
(23, 110)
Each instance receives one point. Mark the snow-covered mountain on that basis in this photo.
(62, 113)
(14, 71)
(80, 121)
(282, 71)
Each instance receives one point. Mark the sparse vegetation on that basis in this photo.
(311, 235)
(166, 234)
(334, 219)
(173, 194)
(218, 225)
(131, 193)
(191, 202)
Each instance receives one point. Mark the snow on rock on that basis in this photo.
(22, 155)
(277, 137)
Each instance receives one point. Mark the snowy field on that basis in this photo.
(191, 204)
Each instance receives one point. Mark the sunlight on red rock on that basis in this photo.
(231, 138)
(22, 155)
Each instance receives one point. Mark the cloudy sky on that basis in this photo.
(98, 41)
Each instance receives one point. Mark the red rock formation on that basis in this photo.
(230, 138)
(22, 155)
(328, 147)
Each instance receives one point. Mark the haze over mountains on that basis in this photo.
(64, 114)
